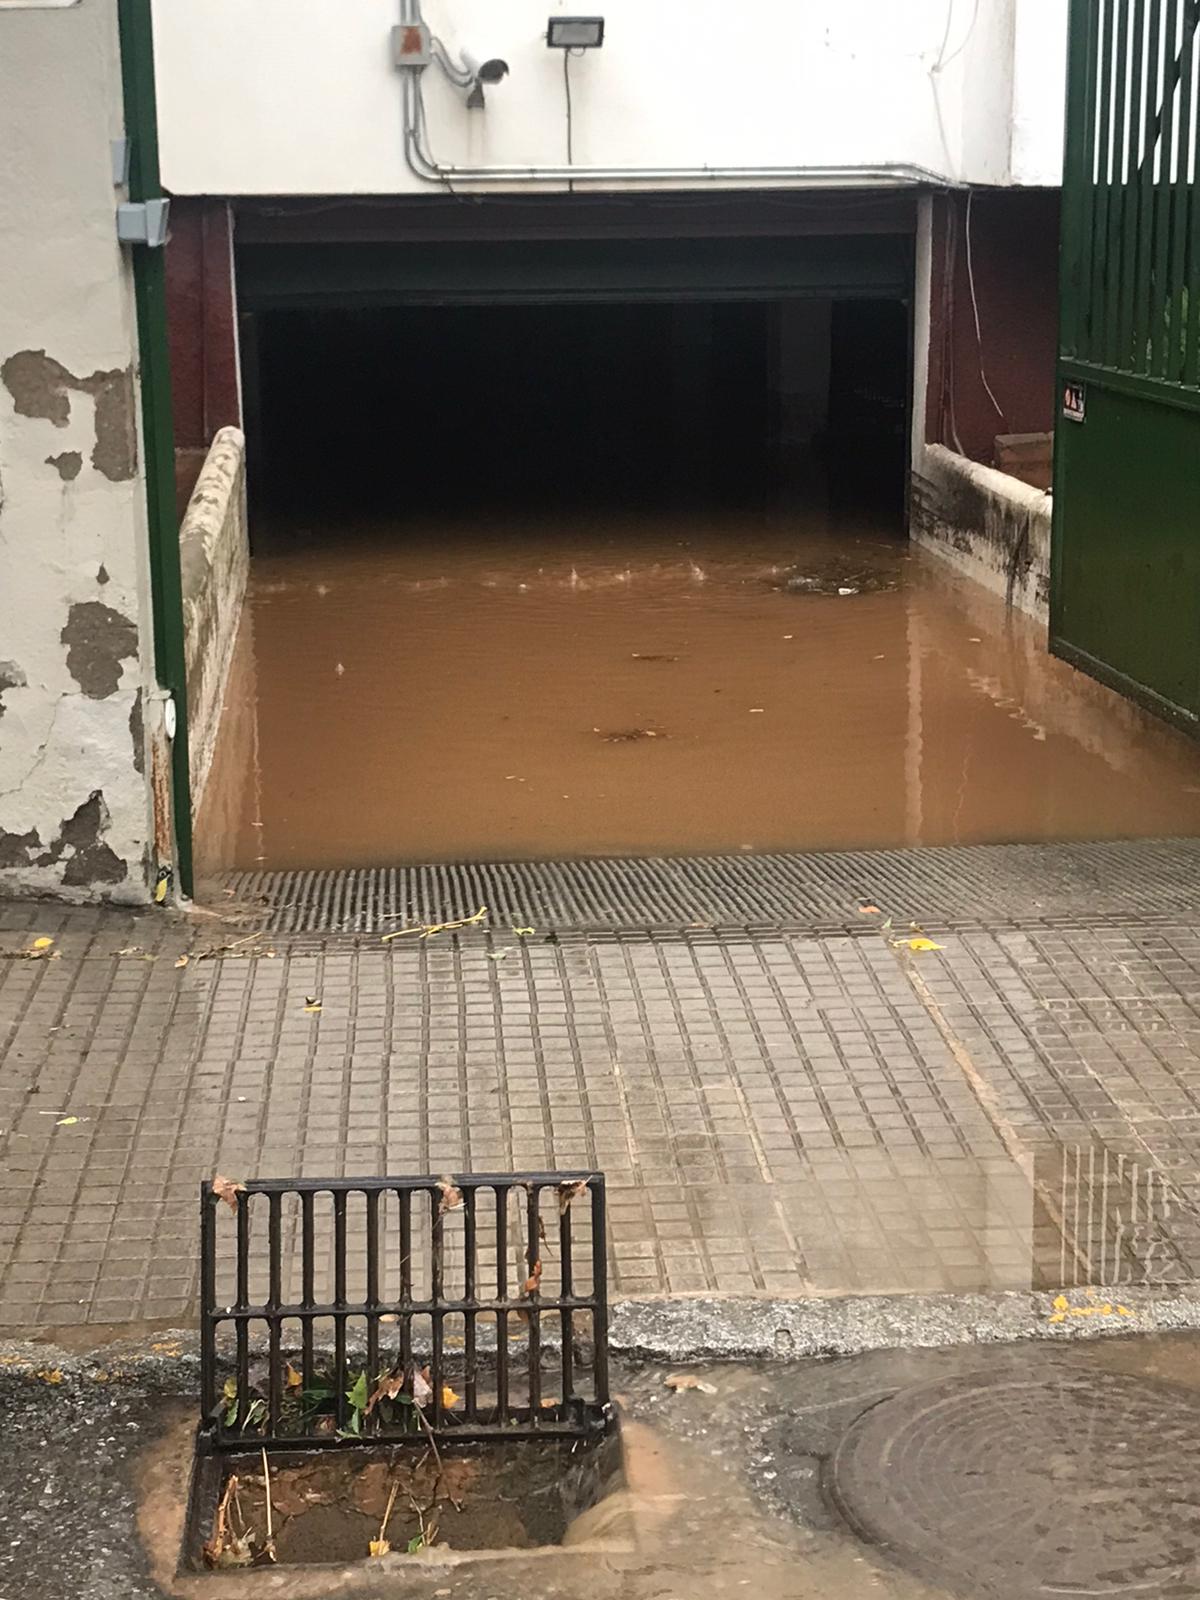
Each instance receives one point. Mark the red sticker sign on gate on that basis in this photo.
(1074, 402)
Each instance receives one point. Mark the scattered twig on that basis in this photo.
(223, 949)
(426, 930)
(269, 1548)
(214, 1546)
(429, 1435)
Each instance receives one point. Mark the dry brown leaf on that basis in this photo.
(451, 1197)
(568, 1192)
(182, 961)
(422, 1388)
(688, 1380)
(388, 1387)
(869, 909)
(534, 1281)
(228, 1189)
(216, 1547)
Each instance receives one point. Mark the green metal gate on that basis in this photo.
(1125, 589)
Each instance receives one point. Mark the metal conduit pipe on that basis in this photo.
(424, 165)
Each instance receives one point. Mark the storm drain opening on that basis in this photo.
(393, 1365)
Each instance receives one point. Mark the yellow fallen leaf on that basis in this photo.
(66, 1122)
(449, 1398)
(43, 943)
(679, 1381)
(160, 889)
(522, 931)
(379, 1547)
(182, 961)
(291, 1377)
(923, 944)
(311, 1003)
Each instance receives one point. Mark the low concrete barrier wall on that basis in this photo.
(214, 553)
(992, 527)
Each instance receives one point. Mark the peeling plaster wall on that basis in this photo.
(75, 620)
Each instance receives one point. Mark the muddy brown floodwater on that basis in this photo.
(641, 687)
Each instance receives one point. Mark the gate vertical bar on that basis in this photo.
(533, 1256)
(1164, 202)
(1133, 266)
(1119, 184)
(1177, 367)
(208, 1301)
(600, 1287)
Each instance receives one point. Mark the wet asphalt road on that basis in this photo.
(731, 1489)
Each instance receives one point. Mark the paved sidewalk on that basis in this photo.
(779, 1116)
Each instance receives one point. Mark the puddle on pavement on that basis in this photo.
(623, 687)
(977, 1471)
(887, 1222)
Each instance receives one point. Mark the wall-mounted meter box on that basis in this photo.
(410, 45)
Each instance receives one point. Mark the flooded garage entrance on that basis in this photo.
(547, 581)
(700, 684)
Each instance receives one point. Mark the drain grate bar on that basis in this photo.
(970, 884)
(394, 1293)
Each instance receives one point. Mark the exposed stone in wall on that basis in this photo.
(98, 639)
(40, 386)
(80, 839)
(19, 849)
(68, 464)
(91, 860)
(137, 733)
(11, 677)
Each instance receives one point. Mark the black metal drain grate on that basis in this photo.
(962, 884)
(385, 1309)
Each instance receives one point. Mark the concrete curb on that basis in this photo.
(696, 1330)
(683, 1330)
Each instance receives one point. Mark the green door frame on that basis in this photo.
(158, 436)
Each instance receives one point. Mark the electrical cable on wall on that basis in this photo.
(566, 55)
(975, 311)
(940, 65)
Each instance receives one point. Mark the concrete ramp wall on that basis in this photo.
(214, 553)
(991, 526)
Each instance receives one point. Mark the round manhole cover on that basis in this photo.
(1083, 1484)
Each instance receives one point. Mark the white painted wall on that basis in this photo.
(1039, 91)
(75, 814)
(278, 98)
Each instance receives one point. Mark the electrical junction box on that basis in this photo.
(410, 45)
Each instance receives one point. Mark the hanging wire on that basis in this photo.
(975, 311)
